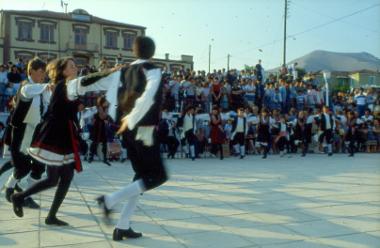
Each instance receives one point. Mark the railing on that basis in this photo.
(90, 47)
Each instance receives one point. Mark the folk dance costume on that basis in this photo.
(141, 105)
(217, 135)
(7, 137)
(351, 136)
(55, 143)
(282, 138)
(301, 135)
(32, 101)
(188, 132)
(327, 126)
(239, 131)
(170, 138)
(263, 134)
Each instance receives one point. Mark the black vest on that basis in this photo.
(21, 109)
(323, 122)
(134, 83)
(234, 124)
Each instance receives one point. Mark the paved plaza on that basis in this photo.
(316, 201)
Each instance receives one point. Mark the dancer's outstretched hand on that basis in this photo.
(123, 126)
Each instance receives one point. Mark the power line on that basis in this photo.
(313, 28)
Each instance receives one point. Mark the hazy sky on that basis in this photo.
(238, 27)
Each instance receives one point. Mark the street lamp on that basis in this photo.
(327, 76)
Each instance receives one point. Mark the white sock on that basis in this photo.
(31, 181)
(192, 151)
(127, 212)
(11, 183)
(329, 148)
(236, 148)
(242, 151)
(132, 189)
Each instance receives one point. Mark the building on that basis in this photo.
(365, 79)
(89, 39)
(343, 80)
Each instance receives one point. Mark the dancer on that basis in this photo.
(31, 100)
(189, 129)
(55, 143)
(142, 111)
(263, 136)
(327, 126)
(351, 135)
(239, 131)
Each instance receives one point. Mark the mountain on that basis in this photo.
(334, 61)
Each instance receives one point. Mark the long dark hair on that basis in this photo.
(56, 67)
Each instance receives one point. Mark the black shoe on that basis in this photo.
(221, 158)
(351, 155)
(330, 154)
(106, 162)
(30, 203)
(8, 194)
(106, 212)
(119, 234)
(123, 160)
(17, 205)
(55, 221)
(303, 155)
(193, 158)
(18, 188)
(265, 156)
(241, 157)
(90, 159)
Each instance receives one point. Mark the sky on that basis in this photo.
(248, 30)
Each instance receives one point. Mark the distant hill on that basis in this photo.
(334, 61)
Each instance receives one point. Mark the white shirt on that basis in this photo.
(3, 77)
(240, 125)
(327, 118)
(188, 123)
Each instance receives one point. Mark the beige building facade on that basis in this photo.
(89, 39)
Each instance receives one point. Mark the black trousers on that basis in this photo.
(56, 175)
(282, 143)
(146, 160)
(239, 139)
(23, 164)
(328, 135)
(172, 144)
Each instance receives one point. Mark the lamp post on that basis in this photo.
(327, 76)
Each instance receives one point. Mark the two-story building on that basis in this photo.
(87, 38)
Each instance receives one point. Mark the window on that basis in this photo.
(80, 36)
(129, 38)
(25, 30)
(111, 39)
(47, 33)
(371, 80)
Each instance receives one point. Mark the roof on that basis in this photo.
(68, 17)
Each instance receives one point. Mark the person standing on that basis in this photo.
(239, 131)
(263, 137)
(216, 134)
(141, 107)
(327, 126)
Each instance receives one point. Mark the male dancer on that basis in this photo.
(327, 126)
(239, 131)
(32, 100)
(141, 105)
(189, 129)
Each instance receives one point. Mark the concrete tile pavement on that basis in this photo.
(316, 201)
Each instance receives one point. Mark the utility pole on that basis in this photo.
(285, 17)
(228, 62)
(66, 7)
(209, 58)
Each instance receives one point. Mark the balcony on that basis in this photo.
(88, 47)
